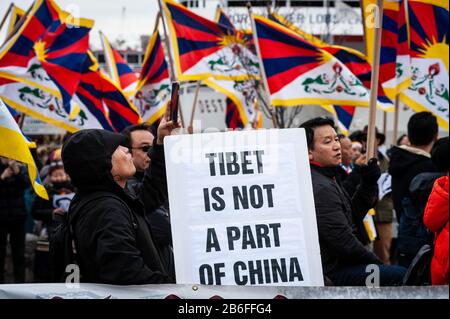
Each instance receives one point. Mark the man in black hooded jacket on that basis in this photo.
(113, 240)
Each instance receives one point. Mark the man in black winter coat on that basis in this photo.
(344, 257)
(406, 163)
(112, 237)
(409, 161)
(148, 157)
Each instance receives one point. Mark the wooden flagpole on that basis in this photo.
(265, 85)
(371, 134)
(8, 11)
(18, 24)
(396, 115)
(194, 106)
(158, 17)
(169, 51)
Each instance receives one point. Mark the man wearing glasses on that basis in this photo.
(148, 158)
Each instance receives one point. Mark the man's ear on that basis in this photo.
(310, 155)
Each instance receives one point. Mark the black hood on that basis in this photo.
(87, 158)
(402, 160)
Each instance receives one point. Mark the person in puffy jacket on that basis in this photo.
(112, 238)
(436, 220)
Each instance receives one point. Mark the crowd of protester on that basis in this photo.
(115, 187)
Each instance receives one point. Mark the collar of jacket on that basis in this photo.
(416, 151)
(330, 172)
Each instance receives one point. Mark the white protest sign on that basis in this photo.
(242, 209)
(63, 201)
(384, 185)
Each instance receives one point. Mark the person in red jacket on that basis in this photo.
(436, 219)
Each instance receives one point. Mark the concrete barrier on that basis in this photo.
(96, 291)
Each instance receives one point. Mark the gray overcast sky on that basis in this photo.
(139, 17)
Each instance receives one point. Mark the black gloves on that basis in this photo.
(371, 172)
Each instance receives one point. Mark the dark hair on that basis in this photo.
(341, 136)
(439, 154)
(310, 125)
(356, 136)
(422, 128)
(137, 127)
(400, 139)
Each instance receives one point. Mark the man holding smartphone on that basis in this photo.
(148, 158)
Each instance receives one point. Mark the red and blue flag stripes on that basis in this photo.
(126, 75)
(62, 51)
(223, 19)
(119, 70)
(345, 115)
(193, 36)
(351, 58)
(89, 93)
(292, 58)
(154, 68)
(428, 25)
(60, 48)
(403, 42)
(18, 51)
(96, 91)
(232, 116)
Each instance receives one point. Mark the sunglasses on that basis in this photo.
(145, 148)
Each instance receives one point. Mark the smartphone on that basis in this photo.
(174, 102)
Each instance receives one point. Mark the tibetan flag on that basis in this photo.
(395, 72)
(14, 145)
(39, 104)
(223, 19)
(203, 48)
(99, 94)
(299, 72)
(118, 69)
(242, 93)
(354, 60)
(90, 98)
(429, 50)
(153, 89)
(232, 117)
(13, 112)
(14, 18)
(344, 116)
(47, 41)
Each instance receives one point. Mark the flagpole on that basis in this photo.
(371, 138)
(265, 84)
(166, 40)
(6, 15)
(18, 25)
(158, 17)
(384, 123)
(396, 115)
(194, 106)
(171, 64)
